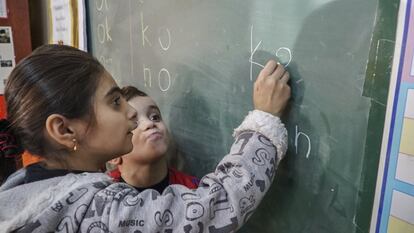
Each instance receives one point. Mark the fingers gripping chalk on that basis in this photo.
(278, 72)
(268, 69)
(285, 78)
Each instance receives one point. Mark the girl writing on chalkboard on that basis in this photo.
(63, 106)
(146, 165)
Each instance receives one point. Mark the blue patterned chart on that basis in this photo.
(394, 202)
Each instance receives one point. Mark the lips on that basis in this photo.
(154, 136)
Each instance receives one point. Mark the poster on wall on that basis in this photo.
(393, 210)
(3, 9)
(7, 58)
(67, 23)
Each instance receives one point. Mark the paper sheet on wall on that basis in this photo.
(7, 58)
(3, 9)
(68, 25)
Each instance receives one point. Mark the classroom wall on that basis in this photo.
(18, 20)
(39, 22)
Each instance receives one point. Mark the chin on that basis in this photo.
(160, 149)
(157, 154)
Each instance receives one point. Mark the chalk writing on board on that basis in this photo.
(143, 30)
(105, 60)
(168, 33)
(103, 31)
(164, 76)
(252, 51)
(103, 28)
(164, 35)
(147, 76)
(100, 4)
(297, 136)
(283, 53)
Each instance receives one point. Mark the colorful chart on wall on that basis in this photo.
(394, 202)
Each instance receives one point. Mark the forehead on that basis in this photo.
(142, 102)
(106, 83)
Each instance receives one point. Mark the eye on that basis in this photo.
(155, 117)
(117, 100)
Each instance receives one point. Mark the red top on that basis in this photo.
(174, 176)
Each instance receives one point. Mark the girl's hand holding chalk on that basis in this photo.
(271, 91)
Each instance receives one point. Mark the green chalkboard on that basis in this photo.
(198, 59)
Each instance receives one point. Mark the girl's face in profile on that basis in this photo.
(150, 138)
(111, 133)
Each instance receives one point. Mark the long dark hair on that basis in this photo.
(54, 79)
(10, 150)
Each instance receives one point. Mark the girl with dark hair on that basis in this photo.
(64, 107)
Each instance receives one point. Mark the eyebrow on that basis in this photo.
(154, 107)
(114, 89)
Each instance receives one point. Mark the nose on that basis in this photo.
(144, 123)
(132, 113)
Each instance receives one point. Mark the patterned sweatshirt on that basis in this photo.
(173, 177)
(92, 202)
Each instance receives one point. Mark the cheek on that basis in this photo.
(114, 123)
(164, 145)
(135, 137)
(167, 139)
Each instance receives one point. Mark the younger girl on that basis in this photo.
(146, 165)
(65, 107)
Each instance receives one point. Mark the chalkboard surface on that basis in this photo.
(199, 59)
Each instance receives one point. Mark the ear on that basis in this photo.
(61, 130)
(116, 161)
